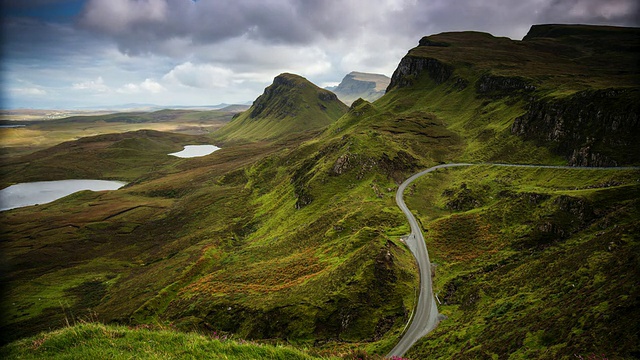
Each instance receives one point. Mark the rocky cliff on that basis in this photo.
(589, 128)
(411, 67)
(357, 85)
(291, 104)
(577, 86)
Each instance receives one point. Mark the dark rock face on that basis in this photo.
(394, 167)
(300, 180)
(573, 214)
(425, 41)
(271, 95)
(411, 67)
(589, 128)
(282, 98)
(327, 96)
(502, 85)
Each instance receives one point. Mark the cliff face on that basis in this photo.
(410, 67)
(282, 98)
(290, 104)
(577, 84)
(590, 128)
(492, 85)
(357, 85)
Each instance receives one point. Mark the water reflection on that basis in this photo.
(195, 151)
(42, 192)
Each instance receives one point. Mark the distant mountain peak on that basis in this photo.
(290, 104)
(361, 85)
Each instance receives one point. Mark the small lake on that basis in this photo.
(11, 126)
(42, 192)
(191, 151)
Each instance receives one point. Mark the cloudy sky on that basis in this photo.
(93, 53)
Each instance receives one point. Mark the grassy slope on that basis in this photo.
(291, 104)
(198, 236)
(40, 135)
(94, 341)
(110, 156)
(295, 240)
(531, 263)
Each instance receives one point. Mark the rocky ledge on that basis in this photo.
(588, 128)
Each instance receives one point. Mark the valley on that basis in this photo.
(290, 232)
(38, 134)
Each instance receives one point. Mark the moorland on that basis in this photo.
(290, 233)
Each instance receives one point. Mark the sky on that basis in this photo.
(72, 54)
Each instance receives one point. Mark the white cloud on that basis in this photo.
(202, 76)
(152, 86)
(183, 52)
(28, 91)
(97, 85)
(148, 85)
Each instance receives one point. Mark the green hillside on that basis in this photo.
(571, 90)
(297, 236)
(39, 135)
(94, 341)
(291, 104)
(533, 263)
(125, 156)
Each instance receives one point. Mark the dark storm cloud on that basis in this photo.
(138, 25)
(610, 12)
(32, 39)
(169, 50)
(513, 18)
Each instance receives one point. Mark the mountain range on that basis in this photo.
(291, 232)
(357, 85)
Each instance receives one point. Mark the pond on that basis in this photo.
(42, 192)
(191, 151)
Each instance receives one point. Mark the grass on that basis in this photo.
(297, 237)
(38, 135)
(93, 340)
(529, 263)
(291, 104)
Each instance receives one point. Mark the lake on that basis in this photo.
(42, 192)
(11, 126)
(191, 151)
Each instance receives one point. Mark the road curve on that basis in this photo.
(425, 317)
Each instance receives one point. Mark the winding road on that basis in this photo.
(425, 316)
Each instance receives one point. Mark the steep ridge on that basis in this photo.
(299, 237)
(290, 105)
(358, 85)
(571, 89)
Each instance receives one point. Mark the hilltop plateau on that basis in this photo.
(356, 85)
(291, 231)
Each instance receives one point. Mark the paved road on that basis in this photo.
(425, 317)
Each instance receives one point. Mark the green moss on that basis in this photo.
(91, 340)
(531, 265)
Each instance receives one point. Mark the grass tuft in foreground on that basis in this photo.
(97, 341)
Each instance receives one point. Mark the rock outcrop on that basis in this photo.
(589, 128)
(357, 85)
(411, 67)
(291, 104)
(498, 86)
